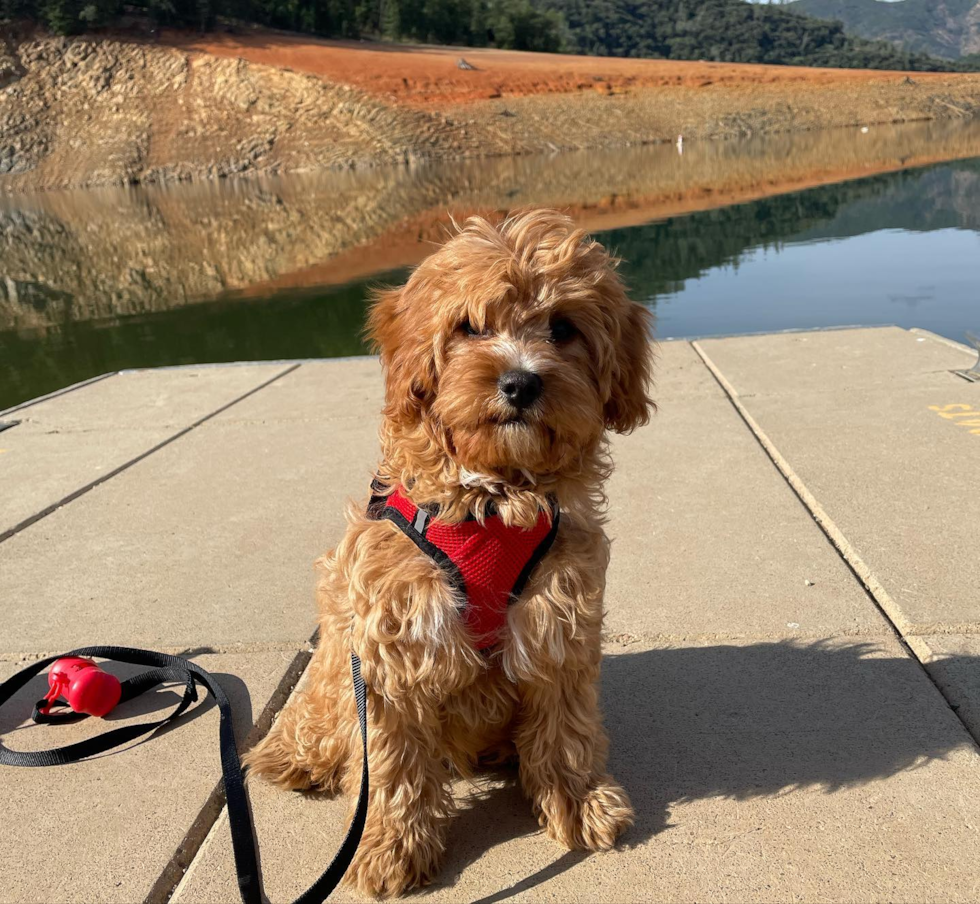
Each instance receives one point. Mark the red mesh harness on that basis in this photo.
(488, 565)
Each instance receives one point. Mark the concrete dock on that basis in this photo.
(792, 681)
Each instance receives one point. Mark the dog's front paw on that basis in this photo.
(390, 866)
(274, 760)
(592, 822)
(283, 759)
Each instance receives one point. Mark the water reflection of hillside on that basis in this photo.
(100, 255)
(938, 198)
(659, 257)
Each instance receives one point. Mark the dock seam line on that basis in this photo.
(71, 497)
(880, 597)
(167, 883)
(58, 392)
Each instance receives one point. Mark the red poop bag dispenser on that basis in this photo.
(87, 688)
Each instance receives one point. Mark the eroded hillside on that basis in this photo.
(77, 112)
(95, 112)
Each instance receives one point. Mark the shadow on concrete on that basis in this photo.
(733, 723)
(724, 721)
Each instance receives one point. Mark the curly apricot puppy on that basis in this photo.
(508, 355)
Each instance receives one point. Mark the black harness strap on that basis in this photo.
(175, 669)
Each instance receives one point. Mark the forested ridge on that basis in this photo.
(717, 30)
(723, 30)
(943, 28)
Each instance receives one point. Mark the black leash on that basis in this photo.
(175, 669)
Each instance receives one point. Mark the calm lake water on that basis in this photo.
(714, 240)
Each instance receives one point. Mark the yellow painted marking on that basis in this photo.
(948, 412)
(956, 413)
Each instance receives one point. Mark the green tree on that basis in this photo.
(391, 22)
(723, 30)
(517, 25)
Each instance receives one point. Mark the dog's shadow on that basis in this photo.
(728, 722)
(733, 722)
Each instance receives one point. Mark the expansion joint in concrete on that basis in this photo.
(57, 392)
(189, 846)
(876, 592)
(71, 497)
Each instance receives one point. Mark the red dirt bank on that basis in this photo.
(428, 76)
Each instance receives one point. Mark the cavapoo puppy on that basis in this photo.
(471, 588)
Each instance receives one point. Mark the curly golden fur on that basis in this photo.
(535, 294)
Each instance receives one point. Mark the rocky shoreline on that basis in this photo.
(86, 112)
(80, 112)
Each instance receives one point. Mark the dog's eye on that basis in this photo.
(468, 329)
(562, 329)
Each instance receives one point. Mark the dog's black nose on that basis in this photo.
(520, 387)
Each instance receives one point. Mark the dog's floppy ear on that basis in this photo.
(398, 331)
(629, 404)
